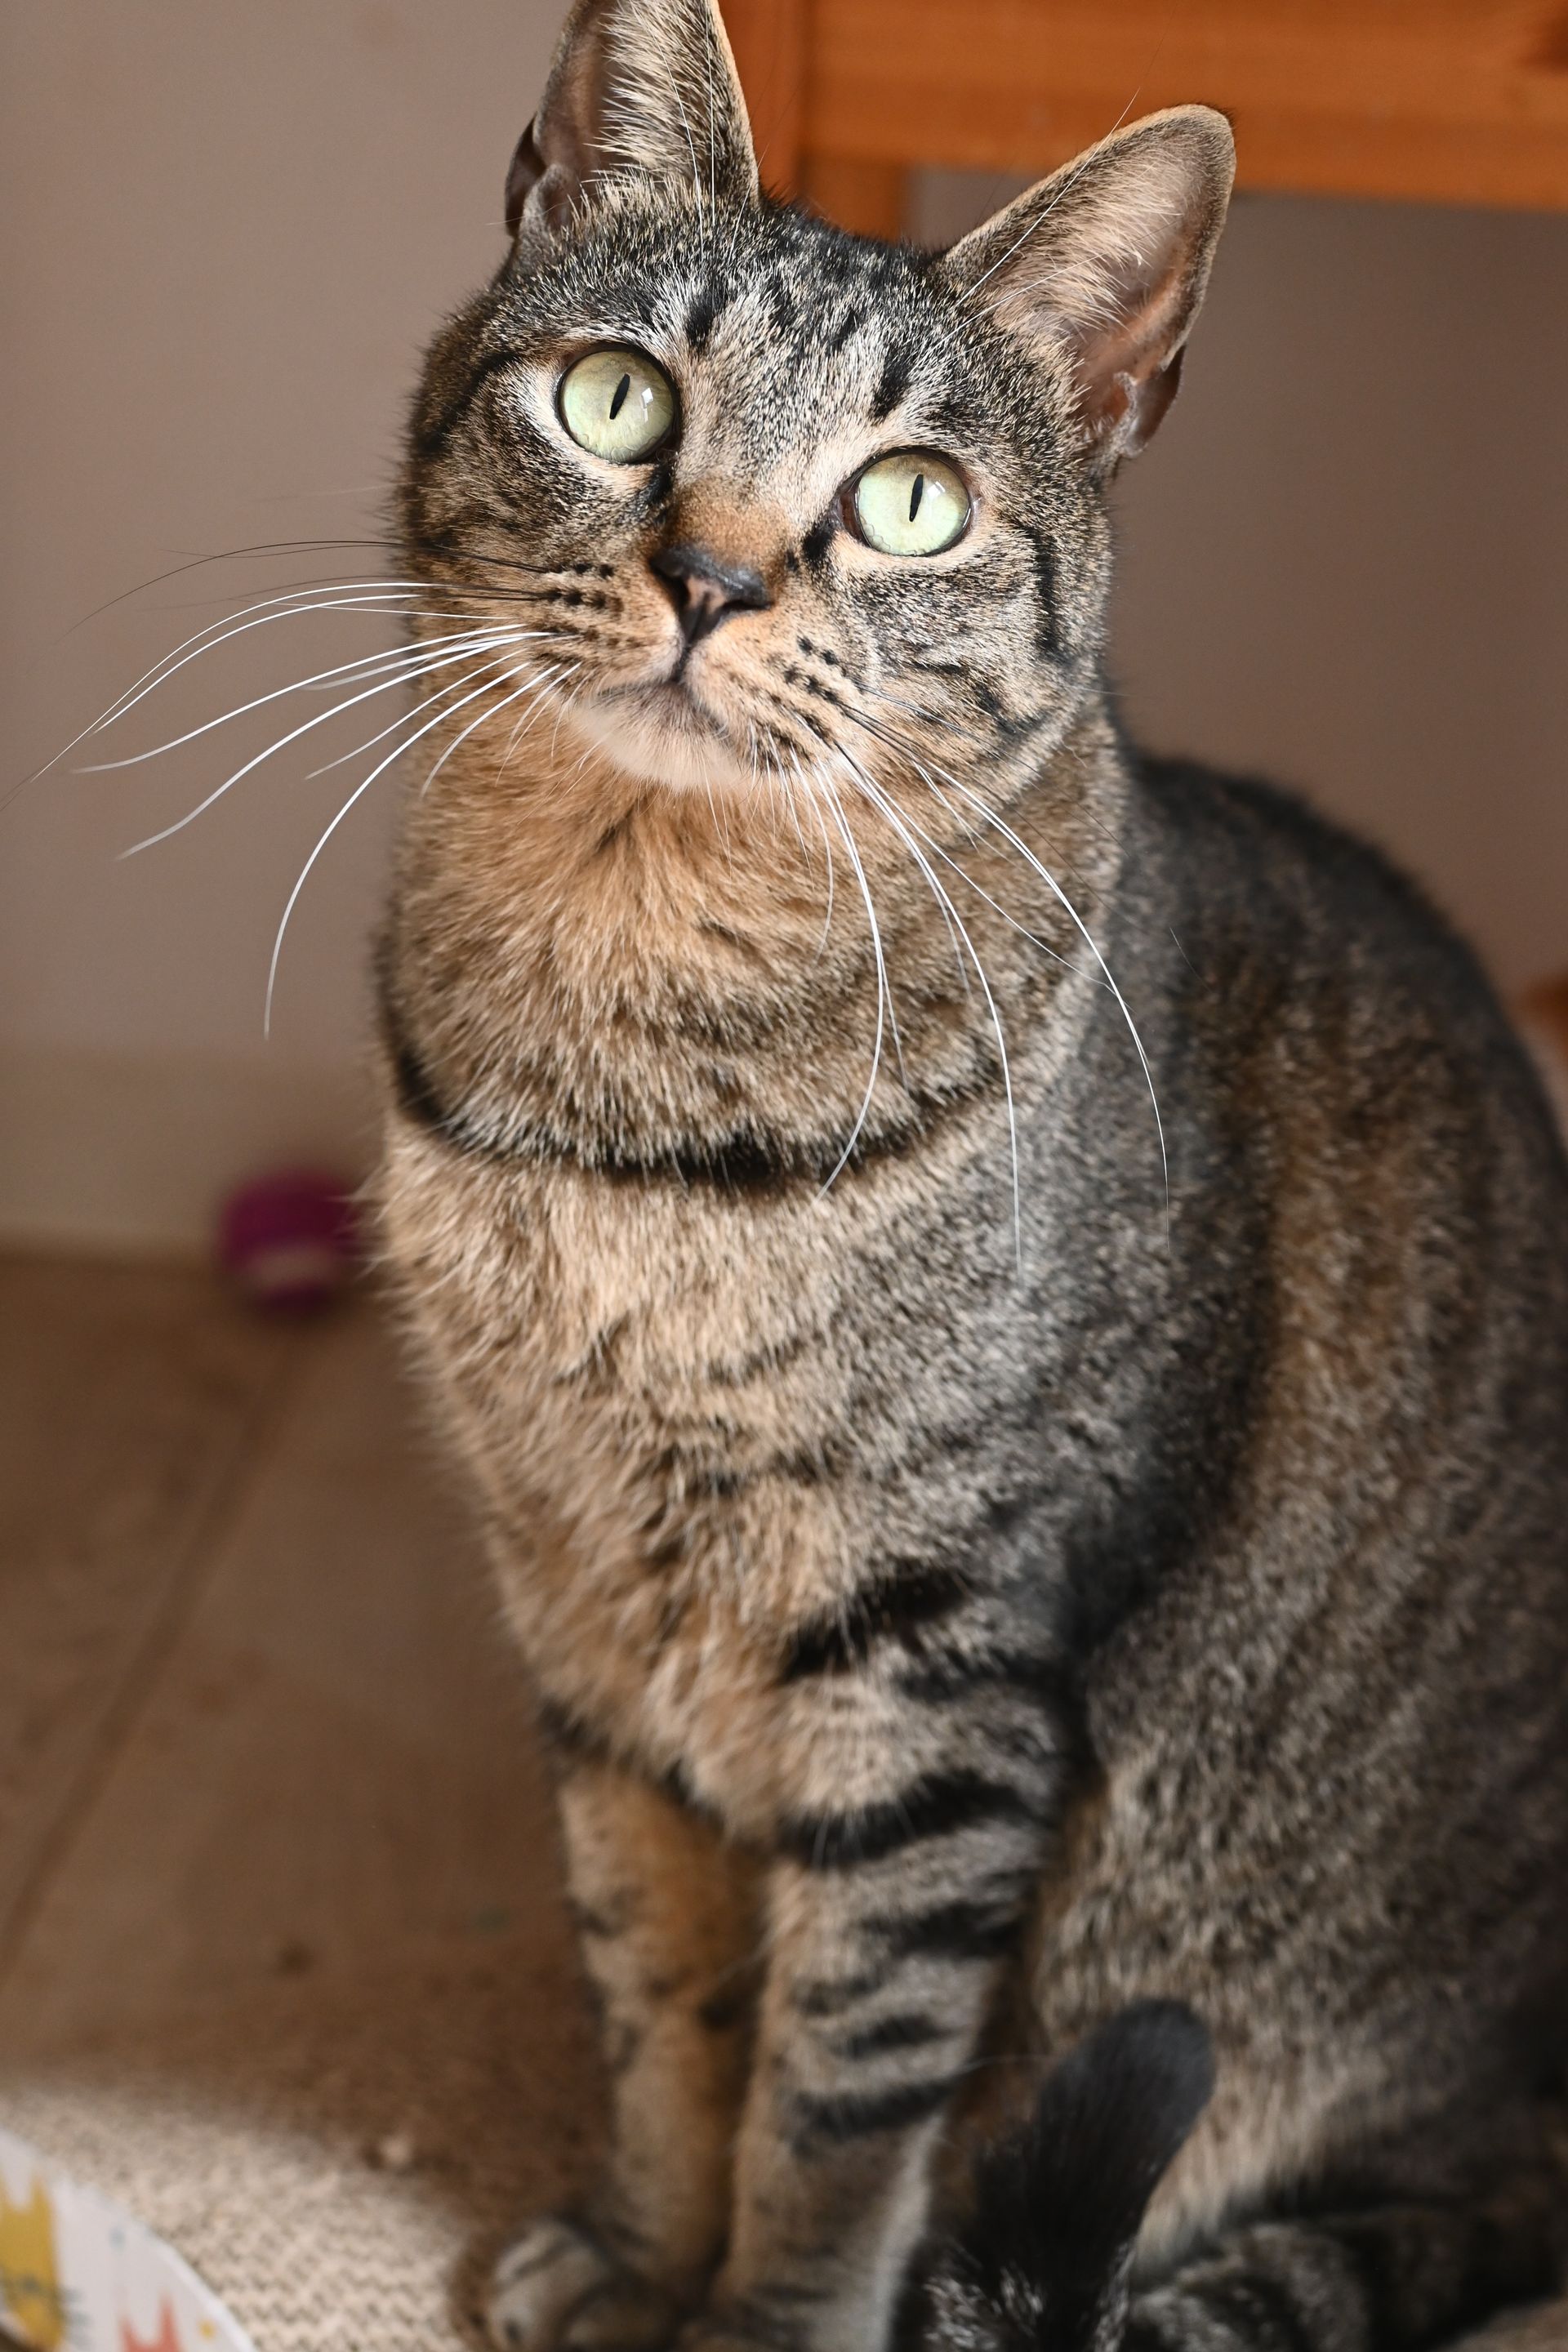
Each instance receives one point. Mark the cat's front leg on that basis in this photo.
(888, 1931)
(668, 1920)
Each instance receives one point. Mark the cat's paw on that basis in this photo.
(556, 2289)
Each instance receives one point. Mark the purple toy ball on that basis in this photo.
(290, 1240)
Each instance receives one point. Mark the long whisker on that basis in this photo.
(525, 720)
(854, 849)
(347, 597)
(167, 664)
(1056, 889)
(944, 904)
(841, 820)
(827, 852)
(896, 743)
(332, 594)
(228, 555)
(882, 801)
(380, 737)
(357, 794)
(321, 719)
(537, 685)
(406, 658)
(265, 547)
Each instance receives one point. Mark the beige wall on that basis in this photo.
(226, 232)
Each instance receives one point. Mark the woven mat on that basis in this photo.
(341, 2160)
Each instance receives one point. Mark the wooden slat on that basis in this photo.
(868, 197)
(769, 39)
(1463, 101)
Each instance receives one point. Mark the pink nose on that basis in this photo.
(704, 590)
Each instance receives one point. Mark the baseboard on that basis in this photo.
(104, 1154)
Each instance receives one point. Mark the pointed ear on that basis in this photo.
(1105, 265)
(637, 86)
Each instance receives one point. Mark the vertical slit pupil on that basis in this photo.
(917, 492)
(618, 403)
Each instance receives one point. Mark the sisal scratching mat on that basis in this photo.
(338, 2161)
(335, 2161)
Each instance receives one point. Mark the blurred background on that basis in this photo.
(225, 235)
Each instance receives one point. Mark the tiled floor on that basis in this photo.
(256, 1717)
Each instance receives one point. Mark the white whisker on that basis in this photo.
(526, 717)
(167, 664)
(357, 794)
(373, 596)
(1051, 883)
(827, 851)
(841, 820)
(882, 801)
(321, 719)
(896, 743)
(401, 720)
(406, 659)
(531, 684)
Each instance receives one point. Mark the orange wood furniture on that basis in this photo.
(1462, 102)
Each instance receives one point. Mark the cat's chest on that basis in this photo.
(652, 1389)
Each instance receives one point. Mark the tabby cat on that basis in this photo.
(1006, 1304)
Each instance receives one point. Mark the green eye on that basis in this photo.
(912, 504)
(617, 403)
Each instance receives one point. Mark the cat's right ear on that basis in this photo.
(638, 88)
(1102, 268)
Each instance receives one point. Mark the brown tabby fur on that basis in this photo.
(966, 1609)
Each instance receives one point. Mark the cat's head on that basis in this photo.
(784, 501)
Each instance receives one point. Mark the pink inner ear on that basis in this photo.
(1127, 373)
(1130, 333)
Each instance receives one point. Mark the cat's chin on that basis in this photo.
(675, 747)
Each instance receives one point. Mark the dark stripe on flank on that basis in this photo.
(951, 1674)
(856, 2116)
(831, 1996)
(939, 1806)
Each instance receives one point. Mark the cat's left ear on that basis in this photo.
(1104, 265)
(636, 87)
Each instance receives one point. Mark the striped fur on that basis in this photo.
(965, 1604)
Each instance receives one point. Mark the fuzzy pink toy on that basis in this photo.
(290, 1240)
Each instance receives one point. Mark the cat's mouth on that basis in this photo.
(663, 730)
(673, 699)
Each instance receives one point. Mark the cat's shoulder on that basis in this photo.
(1290, 925)
(1248, 827)
(1256, 860)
